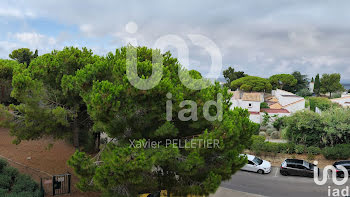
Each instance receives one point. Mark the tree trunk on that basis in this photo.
(76, 134)
(97, 141)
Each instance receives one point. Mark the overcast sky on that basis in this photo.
(259, 37)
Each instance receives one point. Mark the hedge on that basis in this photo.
(13, 184)
(339, 151)
(259, 145)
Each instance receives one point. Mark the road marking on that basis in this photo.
(276, 172)
(328, 175)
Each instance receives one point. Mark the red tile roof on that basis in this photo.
(254, 112)
(274, 111)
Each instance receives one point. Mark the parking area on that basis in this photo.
(274, 184)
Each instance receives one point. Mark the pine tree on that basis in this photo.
(317, 86)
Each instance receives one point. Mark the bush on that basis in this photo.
(263, 134)
(19, 185)
(299, 149)
(258, 143)
(256, 128)
(275, 135)
(24, 183)
(340, 151)
(269, 131)
(321, 102)
(279, 123)
(264, 105)
(304, 92)
(271, 147)
(286, 148)
(310, 157)
(3, 163)
(313, 150)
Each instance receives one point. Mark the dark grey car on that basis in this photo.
(296, 167)
(345, 164)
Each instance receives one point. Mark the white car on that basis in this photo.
(255, 164)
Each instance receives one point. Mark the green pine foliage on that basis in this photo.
(13, 184)
(127, 113)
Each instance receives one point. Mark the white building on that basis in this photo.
(343, 101)
(281, 103)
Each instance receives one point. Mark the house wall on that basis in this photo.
(342, 101)
(255, 106)
(311, 87)
(296, 107)
(255, 118)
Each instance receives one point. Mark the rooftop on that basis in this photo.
(275, 111)
(251, 97)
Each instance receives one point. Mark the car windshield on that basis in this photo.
(257, 160)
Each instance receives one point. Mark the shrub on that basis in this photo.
(256, 128)
(264, 105)
(321, 102)
(304, 92)
(269, 131)
(3, 163)
(5, 181)
(313, 150)
(275, 135)
(310, 157)
(340, 151)
(258, 143)
(19, 185)
(286, 148)
(263, 134)
(279, 122)
(299, 149)
(271, 147)
(24, 183)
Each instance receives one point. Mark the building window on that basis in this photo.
(250, 105)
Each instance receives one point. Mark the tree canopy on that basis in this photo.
(230, 75)
(73, 90)
(252, 83)
(6, 72)
(127, 113)
(23, 55)
(329, 128)
(331, 83)
(46, 106)
(317, 85)
(282, 80)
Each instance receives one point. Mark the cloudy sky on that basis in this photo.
(260, 37)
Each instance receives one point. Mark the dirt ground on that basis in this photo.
(37, 155)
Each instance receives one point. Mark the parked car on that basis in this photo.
(345, 164)
(296, 167)
(255, 164)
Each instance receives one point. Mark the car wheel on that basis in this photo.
(260, 171)
(284, 173)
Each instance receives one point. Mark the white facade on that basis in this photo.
(289, 101)
(252, 106)
(288, 104)
(343, 101)
(311, 86)
(297, 106)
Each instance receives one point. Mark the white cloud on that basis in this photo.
(14, 12)
(34, 39)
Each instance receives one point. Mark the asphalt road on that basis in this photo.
(276, 185)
